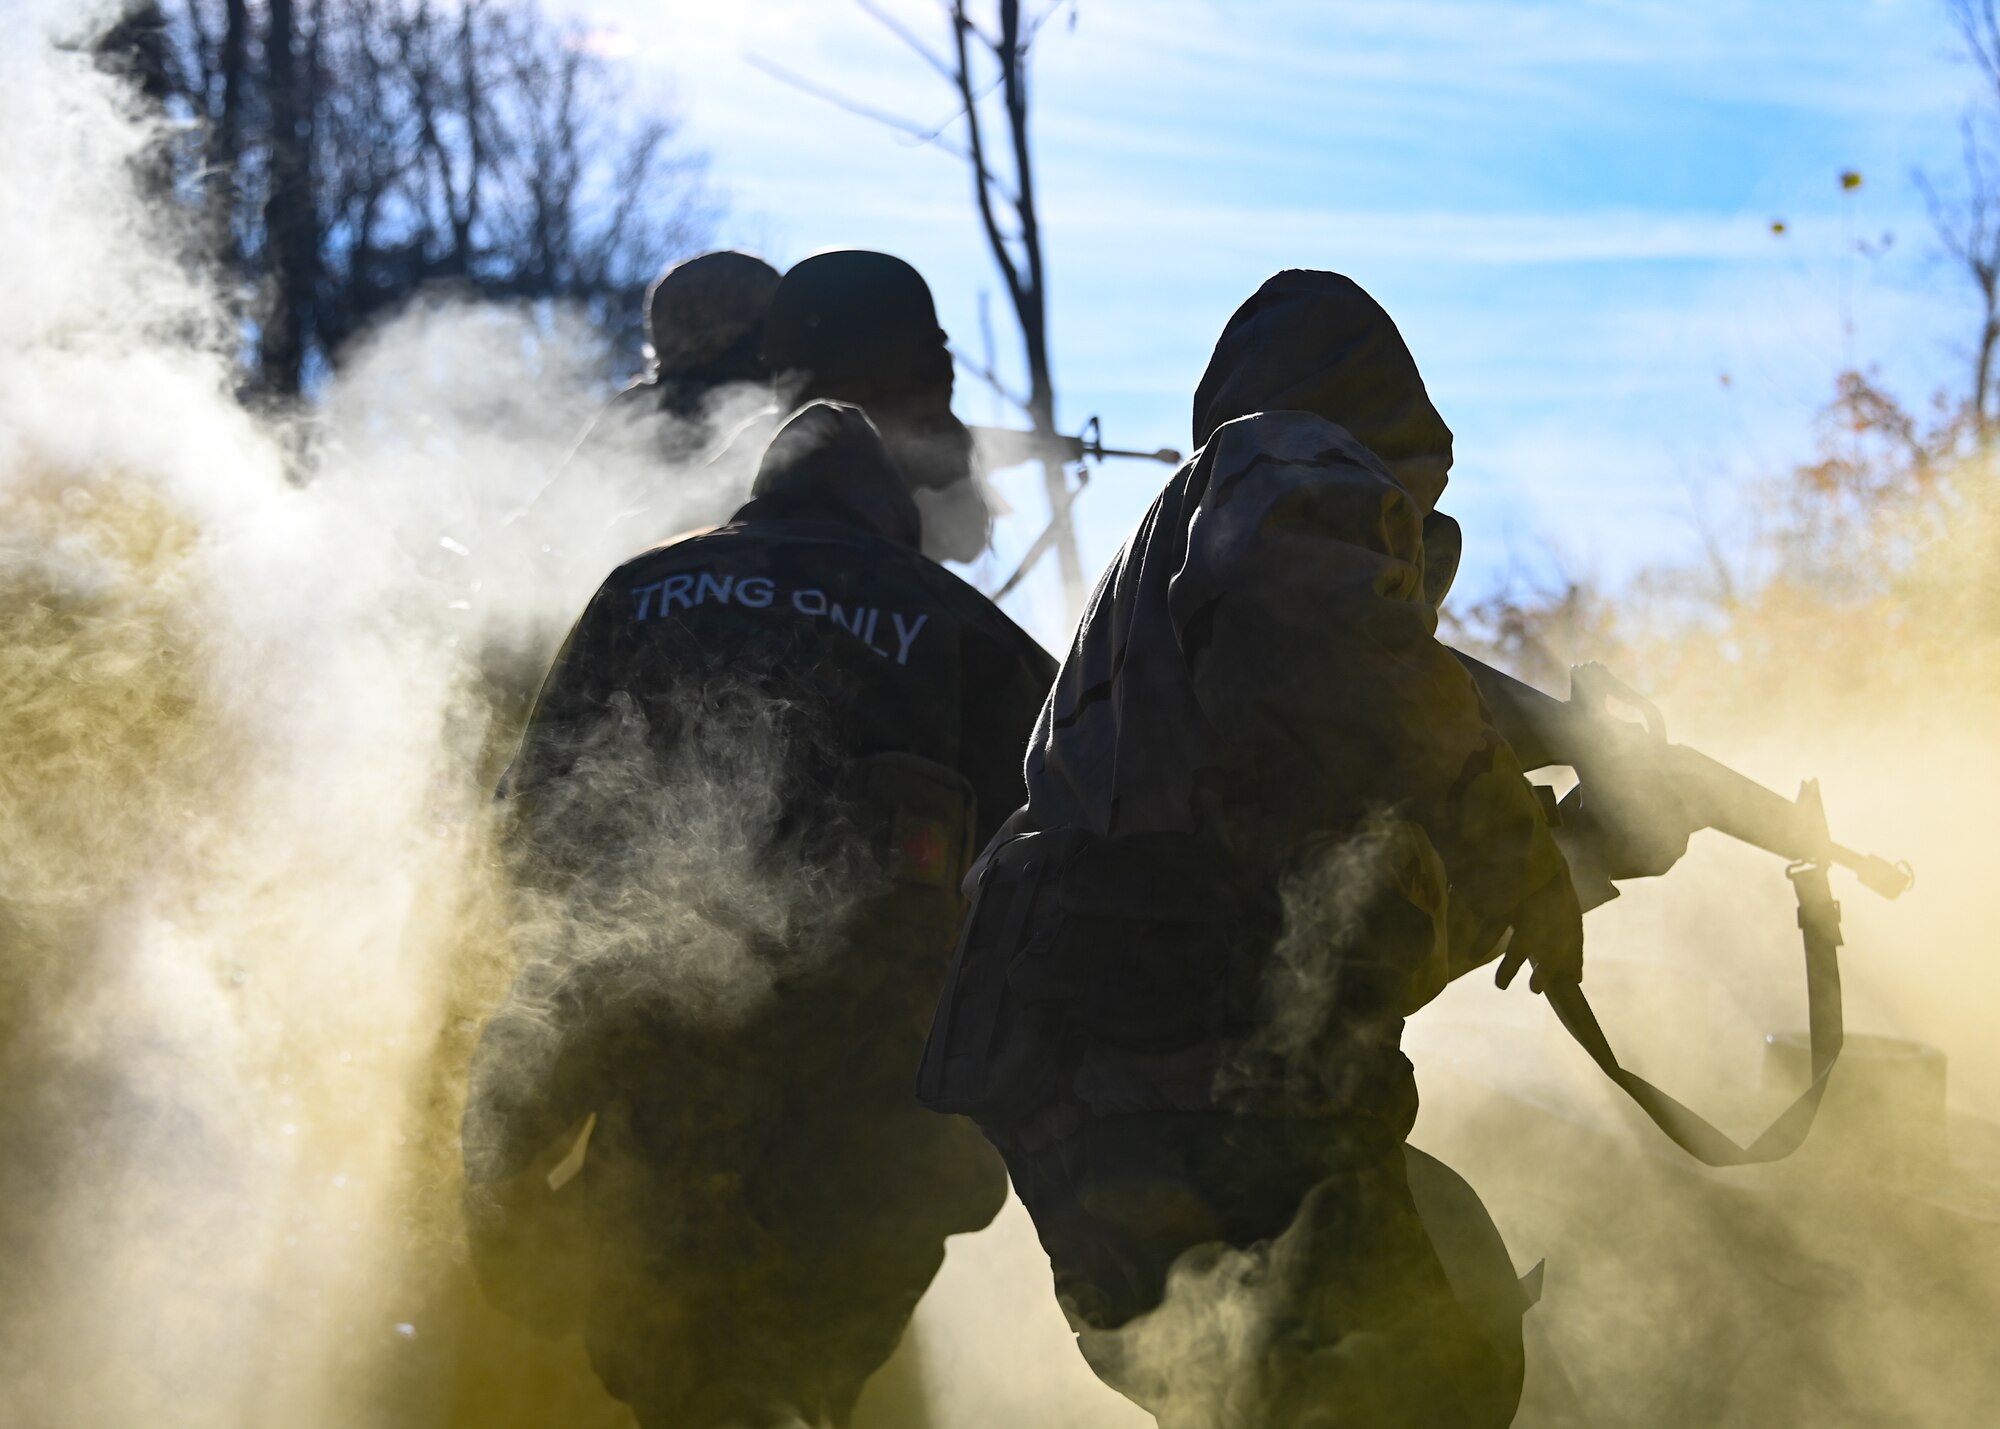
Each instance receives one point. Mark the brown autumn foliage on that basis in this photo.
(1872, 583)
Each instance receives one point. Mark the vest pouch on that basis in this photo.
(1003, 1039)
(918, 818)
(1170, 940)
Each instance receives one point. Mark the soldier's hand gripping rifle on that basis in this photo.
(1637, 800)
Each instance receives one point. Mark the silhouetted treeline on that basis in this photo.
(337, 155)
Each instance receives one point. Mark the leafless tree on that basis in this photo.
(986, 64)
(1968, 222)
(345, 153)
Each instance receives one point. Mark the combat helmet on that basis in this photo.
(701, 309)
(851, 322)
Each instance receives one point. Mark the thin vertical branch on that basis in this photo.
(291, 233)
(472, 97)
(981, 190)
(1030, 297)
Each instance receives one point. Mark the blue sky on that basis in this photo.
(1565, 203)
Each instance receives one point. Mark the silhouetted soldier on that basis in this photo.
(705, 325)
(1268, 818)
(856, 326)
(643, 470)
(749, 790)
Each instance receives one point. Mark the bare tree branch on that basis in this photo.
(1049, 12)
(1968, 231)
(933, 135)
(1017, 124)
(902, 32)
(1979, 26)
(991, 379)
(982, 187)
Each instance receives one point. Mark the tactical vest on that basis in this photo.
(1150, 945)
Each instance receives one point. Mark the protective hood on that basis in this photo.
(1314, 342)
(828, 463)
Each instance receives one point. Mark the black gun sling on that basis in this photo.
(1819, 921)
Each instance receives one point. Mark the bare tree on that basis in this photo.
(987, 59)
(1968, 223)
(290, 225)
(346, 153)
(135, 49)
(1018, 254)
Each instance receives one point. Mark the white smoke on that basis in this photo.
(250, 675)
(257, 680)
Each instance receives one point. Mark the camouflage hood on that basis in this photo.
(1308, 341)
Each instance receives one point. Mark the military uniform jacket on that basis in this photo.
(1260, 667)
(808, 617)
(785, 664)
(877, 648)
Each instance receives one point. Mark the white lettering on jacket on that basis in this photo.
(905, 638)
(691, 590)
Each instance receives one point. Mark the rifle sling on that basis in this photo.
(1819, 921)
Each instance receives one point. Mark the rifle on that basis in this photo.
(1637, 791)
(1637, 800)
(1003, 446)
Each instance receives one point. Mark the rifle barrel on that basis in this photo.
(1546, 731)
(1166, 456)
(1009, 446)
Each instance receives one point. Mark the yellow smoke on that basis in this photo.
(253, 704)
(250, 913)
(1851, 1285)
(103, 734)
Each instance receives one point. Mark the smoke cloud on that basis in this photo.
(259, 675)
(1849, 1284)
(258, 678)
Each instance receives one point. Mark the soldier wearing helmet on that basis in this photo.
(641, 471)
(704, 324)
(860, 327)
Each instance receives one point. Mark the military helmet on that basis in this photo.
(853, 316)
(700, 308)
